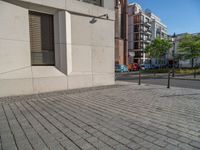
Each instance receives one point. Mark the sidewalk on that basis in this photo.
(120, 117)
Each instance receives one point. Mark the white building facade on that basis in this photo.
(51, 45)
(178, 62)
(158, 30)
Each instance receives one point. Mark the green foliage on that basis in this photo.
(158, 48)
(189, 46)
(161, 70)
(187, 71)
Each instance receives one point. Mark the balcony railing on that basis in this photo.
(148, 24)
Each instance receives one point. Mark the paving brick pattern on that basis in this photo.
(127, 117)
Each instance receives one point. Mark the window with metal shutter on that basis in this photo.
(41, 38)
(95, 2)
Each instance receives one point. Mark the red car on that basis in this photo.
(133, 67)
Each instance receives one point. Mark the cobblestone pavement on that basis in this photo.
(115, 118)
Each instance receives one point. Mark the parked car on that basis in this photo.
(154, 67)
(133, 67)
(136, 67)
(145, 66)
(121, 68)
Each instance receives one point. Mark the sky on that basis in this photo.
(180, 16)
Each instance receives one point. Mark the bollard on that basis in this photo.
(139, 78)
(168, 84)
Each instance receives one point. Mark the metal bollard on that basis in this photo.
(169, 74)
(139, 78)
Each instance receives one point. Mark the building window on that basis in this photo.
(136, 36)
(41, 39)
(137, 19)
(136, 28)
(136, 45)
(95, 2)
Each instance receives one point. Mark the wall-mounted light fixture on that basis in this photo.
(94, 19)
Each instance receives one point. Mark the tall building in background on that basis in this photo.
(139, 33)
(158, 30)
(121, 32)
(143, 27)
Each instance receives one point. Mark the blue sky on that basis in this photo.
(179, 15)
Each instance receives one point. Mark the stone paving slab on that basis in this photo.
(121, 117)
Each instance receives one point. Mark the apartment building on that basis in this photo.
(158, 30)
(51, 45)
(139, 28)
(143, 27)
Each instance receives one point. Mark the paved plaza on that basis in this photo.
(120, 117)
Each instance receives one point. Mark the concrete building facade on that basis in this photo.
(50, 45)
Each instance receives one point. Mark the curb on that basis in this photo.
(185, 79)
(179, 78)
(161, 76)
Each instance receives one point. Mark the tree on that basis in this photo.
(189, 48)
(178, 57)
(158, 48)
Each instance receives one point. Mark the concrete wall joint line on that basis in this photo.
(92, 45)
(14, 40)
(14, 70)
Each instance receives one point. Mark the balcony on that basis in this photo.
(137, 39)
(147, 32)
(158, 31)
(148, 24)
(146, 41)
(136, 30)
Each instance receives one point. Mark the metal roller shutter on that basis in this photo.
(41, 38)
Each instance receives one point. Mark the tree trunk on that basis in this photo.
(192, 63)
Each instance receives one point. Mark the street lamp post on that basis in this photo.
(173, 54)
